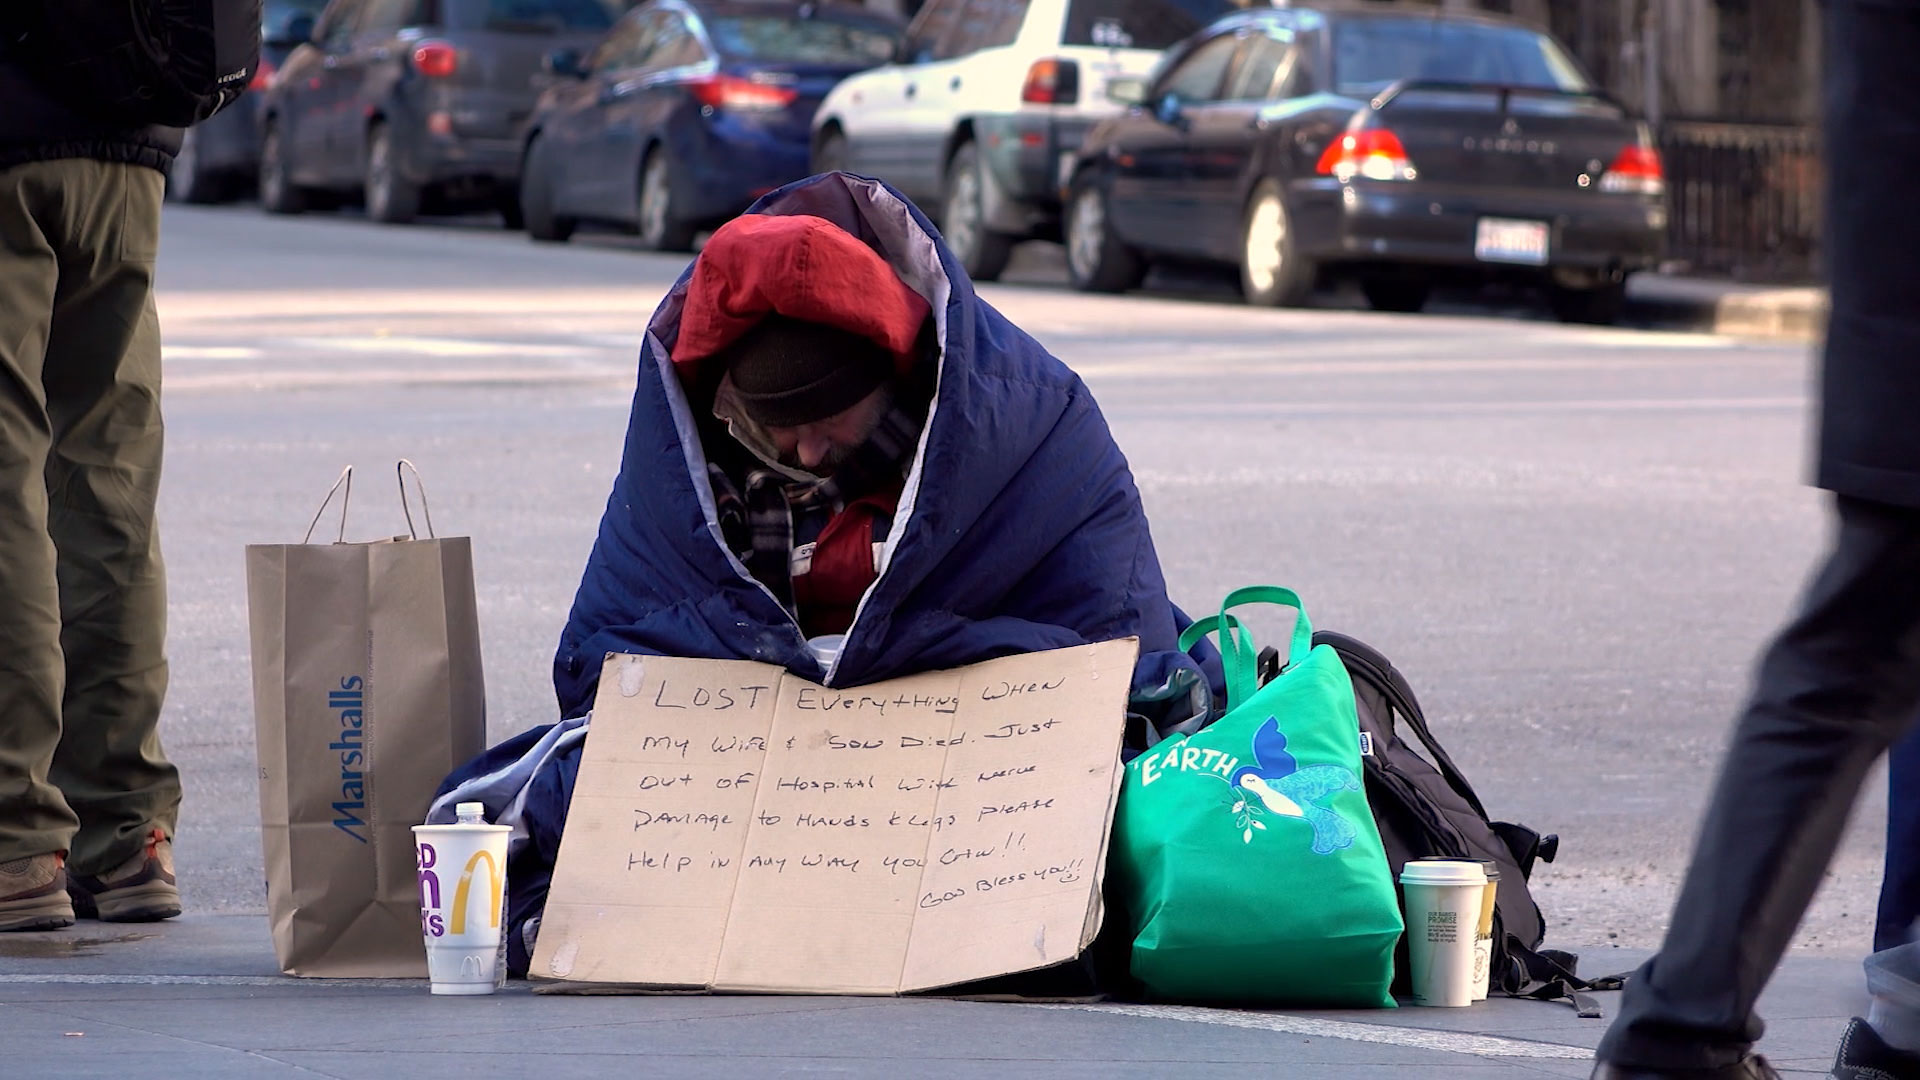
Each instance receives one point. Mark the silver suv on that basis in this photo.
(983, 110)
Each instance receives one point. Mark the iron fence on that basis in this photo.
(1744, 199)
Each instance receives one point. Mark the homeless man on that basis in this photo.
(833, 437)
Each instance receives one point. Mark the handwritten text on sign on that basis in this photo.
(735, 827)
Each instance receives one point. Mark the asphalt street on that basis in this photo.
(1573, 540)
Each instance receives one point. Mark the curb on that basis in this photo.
(1796, 314)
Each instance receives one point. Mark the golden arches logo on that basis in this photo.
(460, 892)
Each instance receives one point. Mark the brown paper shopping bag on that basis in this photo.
(367, 692)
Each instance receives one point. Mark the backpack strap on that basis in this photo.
(1549, 975)
(1382, 673)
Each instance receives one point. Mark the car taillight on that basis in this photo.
(1051, 82)
(1375, 153)
(1635, 170)
(435, 59)
(744, 95)
(262, 75)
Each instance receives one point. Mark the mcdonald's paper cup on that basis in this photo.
(1444, 897)
(462, 902)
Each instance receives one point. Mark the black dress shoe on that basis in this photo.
(1865, 1056)
(1752, 1067)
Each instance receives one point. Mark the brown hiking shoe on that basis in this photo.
(33, 893)
(140, 890)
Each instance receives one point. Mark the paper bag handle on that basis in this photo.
(400, 470)
(346, 482)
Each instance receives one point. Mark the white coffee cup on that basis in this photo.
(1444, 898)
(463, 890)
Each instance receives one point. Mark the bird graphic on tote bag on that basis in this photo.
(1288, 790)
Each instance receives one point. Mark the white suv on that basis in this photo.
(988, 102)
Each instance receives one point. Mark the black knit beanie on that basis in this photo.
(788, 372)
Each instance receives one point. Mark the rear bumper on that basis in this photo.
(1386, 222)
(449, 158)
(1023, 153)
(723, 163)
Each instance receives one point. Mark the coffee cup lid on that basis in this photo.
(1435, 871)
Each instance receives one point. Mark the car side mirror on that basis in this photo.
(1167, 110)
(1127, 90)
(564, 64)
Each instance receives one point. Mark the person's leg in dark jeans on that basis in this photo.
(1900, 882)
(1838, 686)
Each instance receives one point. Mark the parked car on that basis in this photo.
(686, 113)
(987, 103)
(405, 101)
(220, 158)
(1404, 149)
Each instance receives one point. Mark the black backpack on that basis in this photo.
(138, 62)
(1425, 806)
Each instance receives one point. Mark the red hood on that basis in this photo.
(801, 267)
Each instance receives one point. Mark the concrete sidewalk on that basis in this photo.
(200, 997)
(1725, 307)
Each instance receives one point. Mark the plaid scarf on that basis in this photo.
(776, 514)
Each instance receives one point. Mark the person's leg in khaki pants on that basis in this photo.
(82, 644)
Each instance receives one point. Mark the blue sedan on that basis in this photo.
(686, 113)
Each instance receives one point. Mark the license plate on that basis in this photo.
(1502, 240)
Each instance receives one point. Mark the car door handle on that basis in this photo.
(955, 84)
(330, 62)
(383, 54)
(912, 89)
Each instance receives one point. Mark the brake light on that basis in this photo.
(1051, 82)
(744, 95)
(1374, 153)
(262, 75)
(435, 59)
(1635, 170)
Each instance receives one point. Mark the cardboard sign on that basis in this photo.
(736, 828)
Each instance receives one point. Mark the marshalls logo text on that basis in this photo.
(349, 703)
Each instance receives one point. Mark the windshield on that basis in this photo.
(1370, 53)
(802, 41)
(1140, 24)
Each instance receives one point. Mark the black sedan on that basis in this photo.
(1402, 149)
(686, 113)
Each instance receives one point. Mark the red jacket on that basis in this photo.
(805, 268)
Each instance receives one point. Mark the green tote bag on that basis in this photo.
(1245, 853)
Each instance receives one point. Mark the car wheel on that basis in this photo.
(536, 196)
(831, 154)
(1396, 294)
(1272, 272)
(189, 181)
(390, 197)
(278, 195)
(661, 229)
(1597, 305)
(983, 253)
(1097, 260)
(507, 202)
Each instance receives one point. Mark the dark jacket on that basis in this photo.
(1870, 382)
(36, 126)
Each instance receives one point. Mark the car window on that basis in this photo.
(626, 48)
(674, 45)
(531, 16)
(1139, 24)
(929, 26)
(815, 40)
(982, 24)
(335, 29)
(1198, 77)
(1265, 69)
(1370, 53)
(387, 16)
